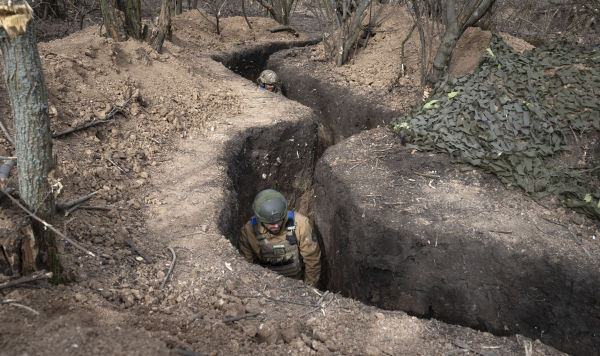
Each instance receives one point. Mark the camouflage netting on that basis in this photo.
(511, 117)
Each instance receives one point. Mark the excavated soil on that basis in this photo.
(174, 177)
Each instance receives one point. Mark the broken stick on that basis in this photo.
(239, 317)
(31, 278)
(14, 303)
(64, 206)
(170, 268)
(284, 28)
(48, 226)
(113, 111)
(121, 169)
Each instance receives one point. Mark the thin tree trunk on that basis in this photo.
(133, 18)
(122, 20)
(448, 42)
(455, 27)
(114, 21)
(164, 20)
(28, 95)
(244, 12)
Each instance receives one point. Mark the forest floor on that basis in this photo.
(161, 176)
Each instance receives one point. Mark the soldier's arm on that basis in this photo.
(311, 254)
(245, 247)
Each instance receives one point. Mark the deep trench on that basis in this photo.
(287, 153)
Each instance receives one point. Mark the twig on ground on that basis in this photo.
(428, 175)
(6, 133)
(320, 305)
(239, 317)
(14, 303)
(6, 158)
(196, 316)
(501, 232)
(284, 28)
(276, 300)
(137, 250)
(121, 169)
(322, 297)
(190, 234)
(170, 268)
(183, 352)
(467, 347)
(33, 277)
(46, 225)
(64, 206)
(113, 111)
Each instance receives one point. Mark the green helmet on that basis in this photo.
(269, 206)
(267, 77)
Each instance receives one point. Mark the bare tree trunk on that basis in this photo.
(122, 19)
(448, 42)
(114, 21)
(178, 7)
(164, 20)
(455, 27)
(28, 95)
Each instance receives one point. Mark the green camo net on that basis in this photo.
(511, 117)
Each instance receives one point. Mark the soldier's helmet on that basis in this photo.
(270, 206)
(267, 77)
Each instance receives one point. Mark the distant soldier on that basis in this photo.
(268, 80)
(281, 240)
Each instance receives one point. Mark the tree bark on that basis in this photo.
(28, 96)
(114, 21)
(122, 19)
(164, 20)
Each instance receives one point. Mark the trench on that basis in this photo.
(284, 157)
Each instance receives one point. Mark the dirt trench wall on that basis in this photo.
(341, 113)
(280, 157)
(459, 248)
(250, 61)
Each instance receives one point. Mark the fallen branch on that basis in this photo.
(48, 226)
(31, 278)
(239, 317)
(113, 111)
(462, 345)
(6, 158)
(119, 168)
(14, 303)
(170, 268)
(5, 172)
(284, 28)
(137, 250)
(64, 206)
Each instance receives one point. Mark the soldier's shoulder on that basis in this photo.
(300, 218)
(247, 225)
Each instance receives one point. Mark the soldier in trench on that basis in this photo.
(268, 80)
(281, 240)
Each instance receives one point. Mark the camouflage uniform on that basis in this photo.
(300, 259)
